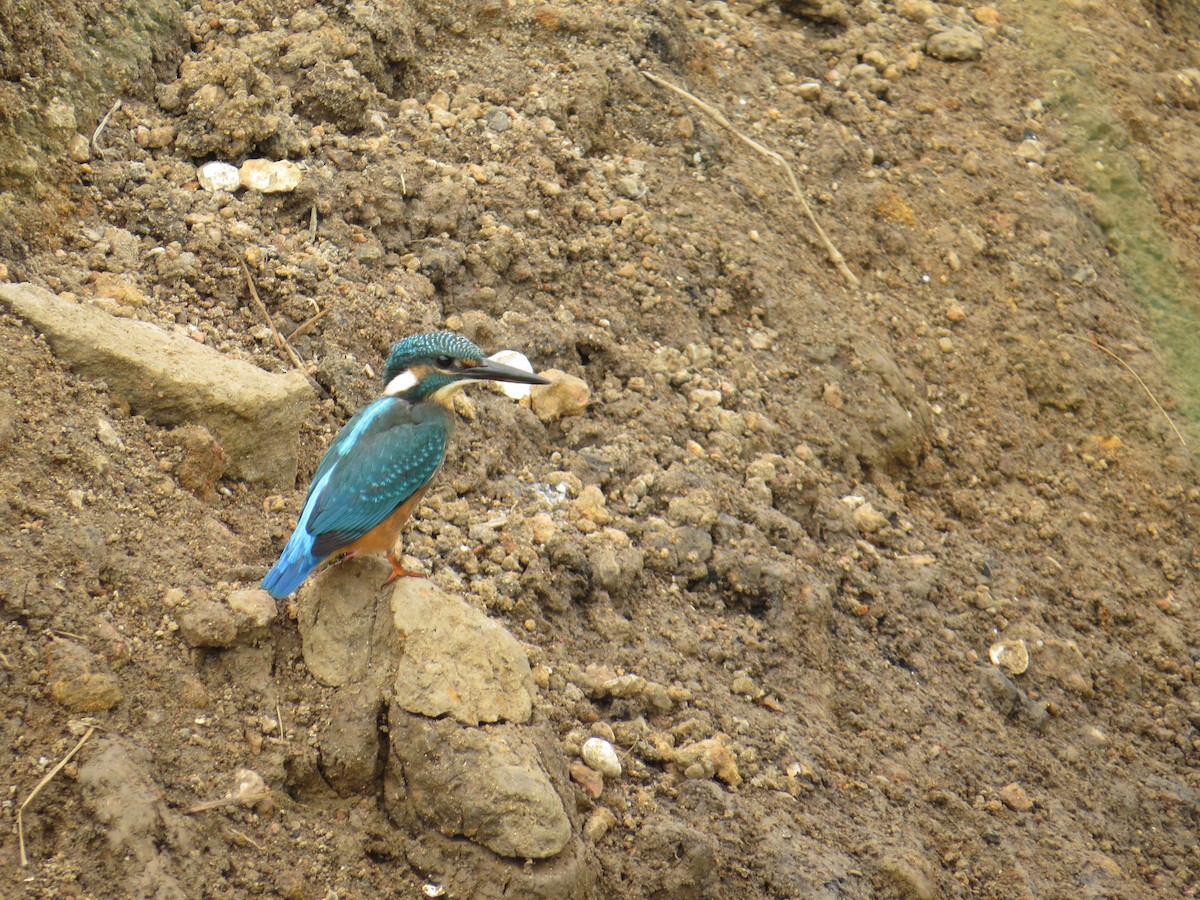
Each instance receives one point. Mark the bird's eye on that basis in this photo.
(444, 362)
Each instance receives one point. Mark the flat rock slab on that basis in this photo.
(456, 661)
(172, 380)
(486, 784)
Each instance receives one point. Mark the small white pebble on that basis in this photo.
(219, 176)
(600, 755)
(517, 361)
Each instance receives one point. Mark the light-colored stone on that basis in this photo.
(344, 625)
(488, 785)
(566, 395)
(219, 176)
(268, 176)
(172, 380)
(455, 660)
(1011, 656)
(253, 612)
(208, 625)
(601, 756)
(87, 692)
(1014, 797)
(955, 45)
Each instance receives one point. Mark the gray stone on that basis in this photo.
(456, 661)
(344, 624)
(488, 785)
(173, 380)
(955, 45)
(498, 121)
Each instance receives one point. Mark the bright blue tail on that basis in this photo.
(295, 564)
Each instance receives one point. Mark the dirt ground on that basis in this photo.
(916, 555)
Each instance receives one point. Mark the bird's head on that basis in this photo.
(432, 366)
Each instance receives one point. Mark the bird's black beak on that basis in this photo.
(490, 370)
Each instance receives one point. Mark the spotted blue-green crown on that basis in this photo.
(425, 349)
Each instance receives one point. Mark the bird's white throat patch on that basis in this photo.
(404, 381)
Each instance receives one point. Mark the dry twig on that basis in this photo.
(307, 324)
(280, 340)
(1149, 393)
(49, 776)
(835, 256)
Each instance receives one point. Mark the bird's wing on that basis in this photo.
(384, 455)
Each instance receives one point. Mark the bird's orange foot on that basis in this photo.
(398, 571)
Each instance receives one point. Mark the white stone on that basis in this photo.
(601, 756)
(219, 176)
(518, 361)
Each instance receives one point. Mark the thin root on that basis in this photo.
(1149, 393)
(280, 340)
(835, 256)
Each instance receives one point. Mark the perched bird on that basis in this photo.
(378, 468)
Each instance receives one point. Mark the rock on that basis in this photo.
(986, 16)
(149, 845)
(567, 395)
(708, 758)
(270, 176)
(455, 660)
(208, 624)
(599, 824)
(488, 785)
(1014, 797)
(868, 519)
(600, 755)
(1183, 88)
(203, 462)
(955, 45)
(173, 380)
(1031, 151)
(78, 149)
(219, 176)
(1011, 656)
(589, 780)
(350, 745)
(253, 612)
(916, 10)
(344, 624)
(79, 680)
(87, 692)
(107, 435)
(498, 121)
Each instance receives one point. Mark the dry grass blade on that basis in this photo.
(49, 776)
(307, 324)
(95, 141)
(835, 256)
(1149, 393)
(280, 340)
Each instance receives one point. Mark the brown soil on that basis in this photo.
(822, 504)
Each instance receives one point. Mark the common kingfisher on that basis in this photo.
(379, 466)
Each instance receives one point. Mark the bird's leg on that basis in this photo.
(398, 571)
